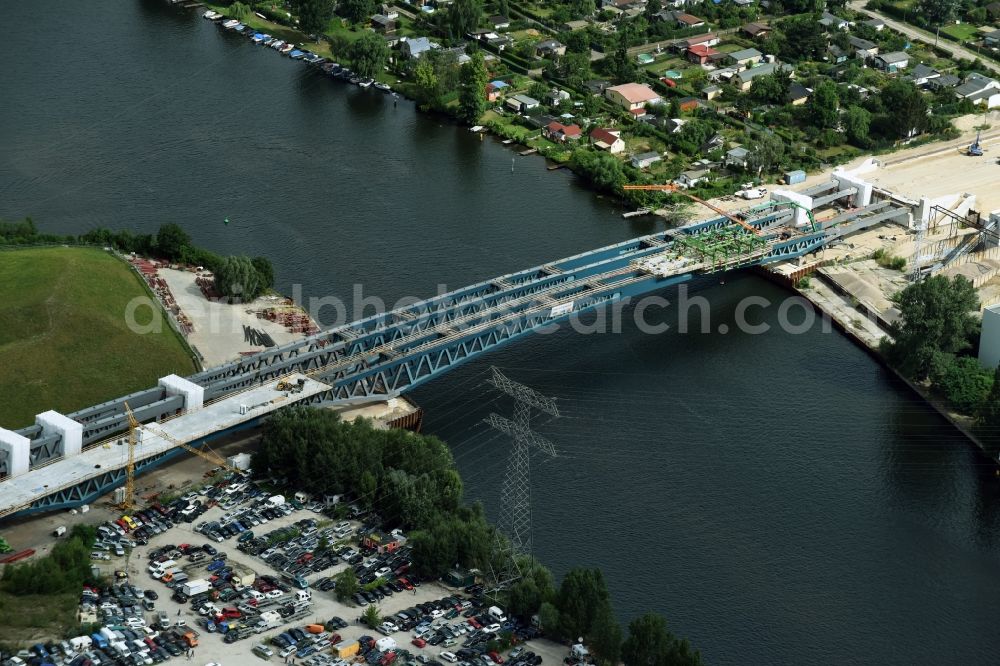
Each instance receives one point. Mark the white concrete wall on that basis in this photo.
(863, 196)
(989, 338)
(801, 217)
(194, 395)
(70, 431)
(18, 448)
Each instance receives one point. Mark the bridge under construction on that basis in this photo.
(66, 460)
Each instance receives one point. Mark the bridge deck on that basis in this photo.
(22, 490)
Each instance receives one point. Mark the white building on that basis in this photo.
(989, 337)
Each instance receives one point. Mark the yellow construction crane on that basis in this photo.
(209, 455)
(133, 435)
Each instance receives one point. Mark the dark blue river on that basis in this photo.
(777, 497)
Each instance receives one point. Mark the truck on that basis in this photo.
(276, 500)
(268, 620)
(196, 586)
(59, 531)
(99, 640)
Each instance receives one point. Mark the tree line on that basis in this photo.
(64, 570)
(235, 276)
(410, 481)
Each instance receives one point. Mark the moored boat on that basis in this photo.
(230, 24)
(384, 87)
(364, 83)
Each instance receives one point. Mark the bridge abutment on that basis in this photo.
(70, 431)
(193, 394)
(18, 450)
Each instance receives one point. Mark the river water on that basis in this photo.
(776, 496)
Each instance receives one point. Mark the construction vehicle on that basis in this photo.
(291, 387)
(976, 149)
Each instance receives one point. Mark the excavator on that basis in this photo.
(976, 149)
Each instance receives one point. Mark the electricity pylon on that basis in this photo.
(515, 497)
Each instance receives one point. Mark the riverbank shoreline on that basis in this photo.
(837, 309)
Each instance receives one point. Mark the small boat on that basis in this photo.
(230, 24)
(269, 41)
(346, 74)
(258, 38)
(210, 15)
(296, 54)
(277, 44)
(355, 80)
(384, 87)
(476, 128)
(287, 48)
(239, 27)
(364, 83)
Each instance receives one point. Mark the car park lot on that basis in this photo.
(260, 614)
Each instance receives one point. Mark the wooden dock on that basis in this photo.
(529, 151)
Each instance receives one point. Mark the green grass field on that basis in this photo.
(962, 31)
(64, 342)
(26, 620)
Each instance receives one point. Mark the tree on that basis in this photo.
(772, 88)
(989, 411)
(372, 616)
(239, 11)
(535, 587)
(822, 108)
(583, 596)
(369, 54)
(606, 636)
(472, 90)
(265, 271)
(236, 277)
(314, 14)
(801, 38)
(464, 17)
(964, 382)
(857, 120)
(347, 585)
(356, 11)
(935, 315)
(503, 8)
(172, 241)
(604, 170)
(937, 11)
(906, 108)
(766, 153)
(428, 84)
(548, 617)
(650, 643)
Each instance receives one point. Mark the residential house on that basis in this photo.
(632, 96)
(878, 25)
(521, 103)
(746, 57)
(737, 157)
(386, 9)
(548, 48)
(383, 24)
(676, 4)
(714, 142)
(743, 3)
(828, 20)
(555, 96)
(688, 20)
(461, 57)
(645, 160)
(573, 26)
(597, 86)
(495, 90)
(708, 39)
(674, 125)
(980, 90)
(798, 94)
(836, 54)
(607, 139)
(944, 81)
(863, 48)
(499, 22)
(922, 74)
(711, 91)
(991, 38)
(701, 54)
(392, 40)
(540, 121)
(415, 46)
(499, 42)
(893, 62)
(744, 79)
(756, 30)
(692, 178)
(556, 131)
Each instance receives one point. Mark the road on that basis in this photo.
(955, 49)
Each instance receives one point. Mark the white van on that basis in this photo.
(497, 614)
(303, 595)
(449, 656)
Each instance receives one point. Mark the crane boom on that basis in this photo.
(673, 188)
(210, 456)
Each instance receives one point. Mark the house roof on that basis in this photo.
(695, 174)
(497, 19)
(946, 81)
(524, 99)
(893, 57)
(797, 91)
(608, 136)
(755, 29)
(498, 84)
(759, 70)
(418, 44)
(635, 93)
(700, 39)
(642, 157)
(923, 71)
(739, 152)
(702, 50)
(745, 54)
(859, 43)
(687, 19)
(711, 88)
(548, 44)
(830, 19)
(836, 51)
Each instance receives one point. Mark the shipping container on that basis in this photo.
(347, 649)
(795, 177)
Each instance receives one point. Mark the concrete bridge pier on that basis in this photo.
(193, 394)
(69, 431)
(18, 450)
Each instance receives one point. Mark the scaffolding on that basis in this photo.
(725, 248)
